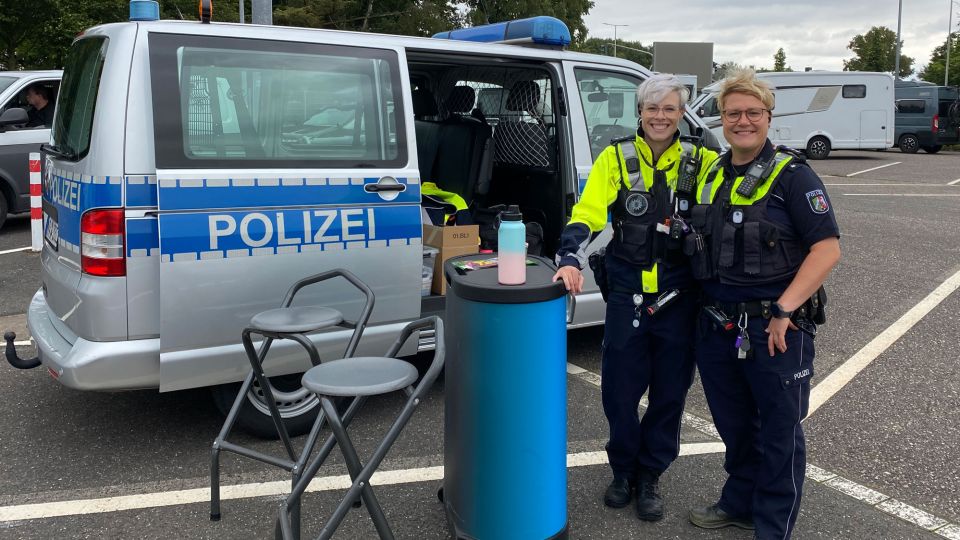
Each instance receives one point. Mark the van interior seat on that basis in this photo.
(427, 131)
(465, 155)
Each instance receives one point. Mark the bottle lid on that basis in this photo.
(512, 213)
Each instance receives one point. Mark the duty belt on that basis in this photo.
(755, 308)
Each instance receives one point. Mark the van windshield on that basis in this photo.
(5, 82)
(73, 123)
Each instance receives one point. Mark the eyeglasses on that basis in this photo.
(753, 115)
(653, 110)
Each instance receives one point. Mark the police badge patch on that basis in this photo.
(818, 201)
(637, 204)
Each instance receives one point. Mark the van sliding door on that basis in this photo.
(266, 152)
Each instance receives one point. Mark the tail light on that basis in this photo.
(102, 243)
(936, 122)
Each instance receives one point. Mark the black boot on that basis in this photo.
(619, 492)
(649, 502)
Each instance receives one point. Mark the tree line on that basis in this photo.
(37, 34)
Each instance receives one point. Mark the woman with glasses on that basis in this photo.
(651, 305)
(764, 240)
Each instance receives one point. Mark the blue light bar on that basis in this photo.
(144, 10)
(539, 30)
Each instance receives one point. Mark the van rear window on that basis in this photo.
(73, 123)
(911, 106)
(233, 102)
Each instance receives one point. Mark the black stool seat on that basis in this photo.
(296, 319)
(361, 376)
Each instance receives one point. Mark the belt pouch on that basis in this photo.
(751, 248)
(728, 246)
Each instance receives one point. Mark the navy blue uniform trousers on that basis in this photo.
(757, 405)
(658, 354)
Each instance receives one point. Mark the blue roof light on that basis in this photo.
(144, 10)
(539, 30)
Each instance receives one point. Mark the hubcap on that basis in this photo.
(291, 398)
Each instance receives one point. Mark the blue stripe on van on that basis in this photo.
(143, 237)
(141, 191)
(212, 235)
(222, 193)
(74, 194)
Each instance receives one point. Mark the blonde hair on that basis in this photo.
(745, 81)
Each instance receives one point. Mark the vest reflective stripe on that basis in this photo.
(431, 189)
(629, 152)
(706, 193)
(709, 192)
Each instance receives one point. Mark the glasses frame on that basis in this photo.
(742, 113)
(655, 110)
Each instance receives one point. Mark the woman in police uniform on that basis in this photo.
(646, 343)
(764, 240)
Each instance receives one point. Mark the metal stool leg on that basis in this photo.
(360, 483)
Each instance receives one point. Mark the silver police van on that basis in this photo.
(195, 171)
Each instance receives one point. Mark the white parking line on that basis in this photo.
(955, 182)
(901, 194)
(875, 168)
(834, 382)
(6, 251)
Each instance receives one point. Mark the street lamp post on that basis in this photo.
(896, 68)
(615, 35)
(946, 66)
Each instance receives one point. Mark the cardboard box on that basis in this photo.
(451, 241)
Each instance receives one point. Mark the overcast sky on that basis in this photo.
(813, 33)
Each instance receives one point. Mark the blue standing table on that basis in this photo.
(505, 437)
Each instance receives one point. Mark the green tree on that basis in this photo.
(18, 23)
(571, 12)
(934, 71)
(405, 17)
(722, 70)
(780, 60)
(875, 51)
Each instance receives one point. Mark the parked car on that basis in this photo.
(17, 140)
(928, 116)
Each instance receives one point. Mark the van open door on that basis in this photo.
(276, 161)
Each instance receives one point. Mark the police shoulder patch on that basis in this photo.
(818, 201)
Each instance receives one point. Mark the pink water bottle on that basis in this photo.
(512, 248)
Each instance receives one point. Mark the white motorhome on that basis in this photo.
(820, 111)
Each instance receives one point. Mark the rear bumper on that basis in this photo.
(93, 365)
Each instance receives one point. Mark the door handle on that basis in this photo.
(387, 187)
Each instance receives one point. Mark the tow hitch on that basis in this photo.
(15, 360)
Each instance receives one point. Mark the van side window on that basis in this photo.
(854, 91)
(272, 103)
(73, 123)
(609, 106)
(911, 106)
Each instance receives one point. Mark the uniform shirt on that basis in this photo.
(799, 203)
(41, 117)
(591, 213)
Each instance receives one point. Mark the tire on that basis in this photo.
(298, 406)
(4, 207)
(932, 149)
(909, 144)
(818, 148)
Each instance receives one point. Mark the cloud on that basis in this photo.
(813, 33)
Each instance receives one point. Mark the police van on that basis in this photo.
(195, 171)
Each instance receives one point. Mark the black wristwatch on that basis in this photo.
(777, 311)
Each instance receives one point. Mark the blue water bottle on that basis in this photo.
(512, 248)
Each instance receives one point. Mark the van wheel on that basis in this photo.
(818, 148)
(909, 144)
(3, 208)
(932, 149)
(298, 406)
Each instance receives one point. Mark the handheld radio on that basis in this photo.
(755, 174)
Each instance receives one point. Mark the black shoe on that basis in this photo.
(619, 493)
(649, 502)
(713, 517)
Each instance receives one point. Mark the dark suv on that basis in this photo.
(22, 131)
(928, 116)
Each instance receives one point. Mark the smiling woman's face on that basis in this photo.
(744, 135)
(659, 120)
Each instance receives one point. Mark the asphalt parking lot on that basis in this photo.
(883, 433)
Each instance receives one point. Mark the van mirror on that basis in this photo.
(13, 116)
(615, 105)
(597, 97)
